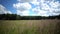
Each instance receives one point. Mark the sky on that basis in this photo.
(30, 7)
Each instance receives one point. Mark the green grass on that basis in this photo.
(29, 26)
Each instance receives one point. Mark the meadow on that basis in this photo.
(30, 26)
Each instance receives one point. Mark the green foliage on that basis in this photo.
(9, 16)
(18, 17)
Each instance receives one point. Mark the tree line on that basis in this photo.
(18, 17)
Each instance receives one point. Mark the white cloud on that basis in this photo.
(40, 12)
(48, 8)
(3, 10)
(25, 0)
(45, 7)
(23, 13)
(54, 4)
(42, 7)
(22, 6)
(35, 3)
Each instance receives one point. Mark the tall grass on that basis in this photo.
(30, 27)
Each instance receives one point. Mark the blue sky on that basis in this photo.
(9, 5)
(30, 7)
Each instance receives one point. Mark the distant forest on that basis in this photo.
(18, 17)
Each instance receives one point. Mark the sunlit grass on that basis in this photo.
(29, 26)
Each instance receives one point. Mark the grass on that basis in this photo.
(29, 26)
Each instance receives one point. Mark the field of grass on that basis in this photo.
(29, 26)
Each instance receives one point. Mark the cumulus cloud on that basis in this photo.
(3, 10)
(42, 7)
(40, 12)
(24, 13)
(48, 8)
(25, 0)
(35, 3)
(22, 6)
